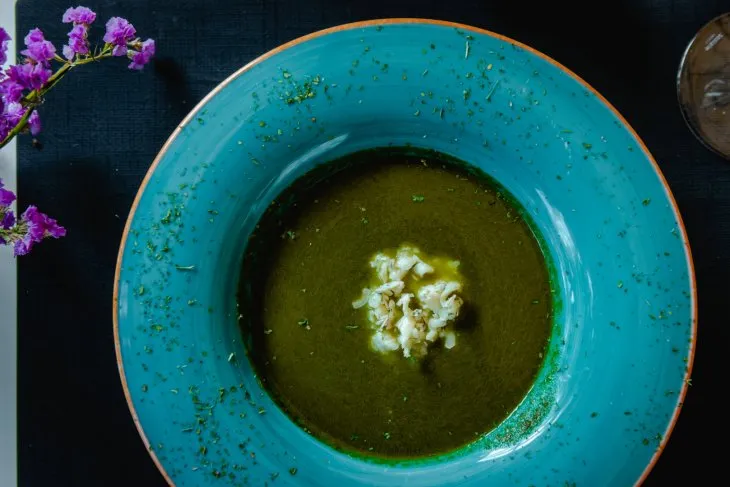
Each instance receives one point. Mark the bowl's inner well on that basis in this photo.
(310, 255)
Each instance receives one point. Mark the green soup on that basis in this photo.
(308, 260)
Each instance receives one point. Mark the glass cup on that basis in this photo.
(703, 85)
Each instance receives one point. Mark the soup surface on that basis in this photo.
(308, 260)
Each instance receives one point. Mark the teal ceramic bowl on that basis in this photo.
(622, 344)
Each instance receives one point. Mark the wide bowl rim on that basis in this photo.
(392, 21)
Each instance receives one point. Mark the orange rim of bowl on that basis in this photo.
(369, 23)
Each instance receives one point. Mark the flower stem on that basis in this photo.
(34, 98)
(55, 78)
(21, 125)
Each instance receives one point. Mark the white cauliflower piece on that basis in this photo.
(430, 296)
(381, 311)
(393, 288)
(382, 265)
(362, 300)
(405, 259)
(421, 269)
(404, 303)
(449, 340)
(384, 342)
(403, 320)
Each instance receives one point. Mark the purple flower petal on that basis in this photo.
(39, 49)
(77, 42)
(7, 220)
(46, 226)
(34, 122)
(35, 35)
(30, 76)
(4, 128)
(79, 46)
(34, 220)
(22, 247)
(4, 38)
(9, 118)
(39, 76)
(68, 53)
(37, 226)
(118, 32)
(139, 59)
(79, 15)
(6, 196)
(119, 51)
(13, 113)
(78, 32)
(10, 91)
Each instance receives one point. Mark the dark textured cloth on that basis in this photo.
(104, 126)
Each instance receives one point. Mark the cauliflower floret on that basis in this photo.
(439, 295)
(430, 296)
(404, 320)
(381, 310)
(393, 288)
(405, 259)
(362, 300)
(404, 302)
(384, 342)
(421, 269)
(449, 288)
(449, 340)
(436, 322)
(382, 265)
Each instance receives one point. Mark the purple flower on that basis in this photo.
(4, 128)
(28, 75)
(6, 196)
(143, 56)
(13, 113)
(77, 42)
(34, 122)
(39, 49)
(36, 226)
(79, 15)
(68, 52)
(4, 38)
(118, 32)
(34, 35)
(10, 91)
(9, 118)
(8, 219)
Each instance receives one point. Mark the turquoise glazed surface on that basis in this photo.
(622, 340)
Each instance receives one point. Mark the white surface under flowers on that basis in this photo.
(8, 300)
(413, 305)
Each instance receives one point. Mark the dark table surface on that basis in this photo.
(104, 125)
